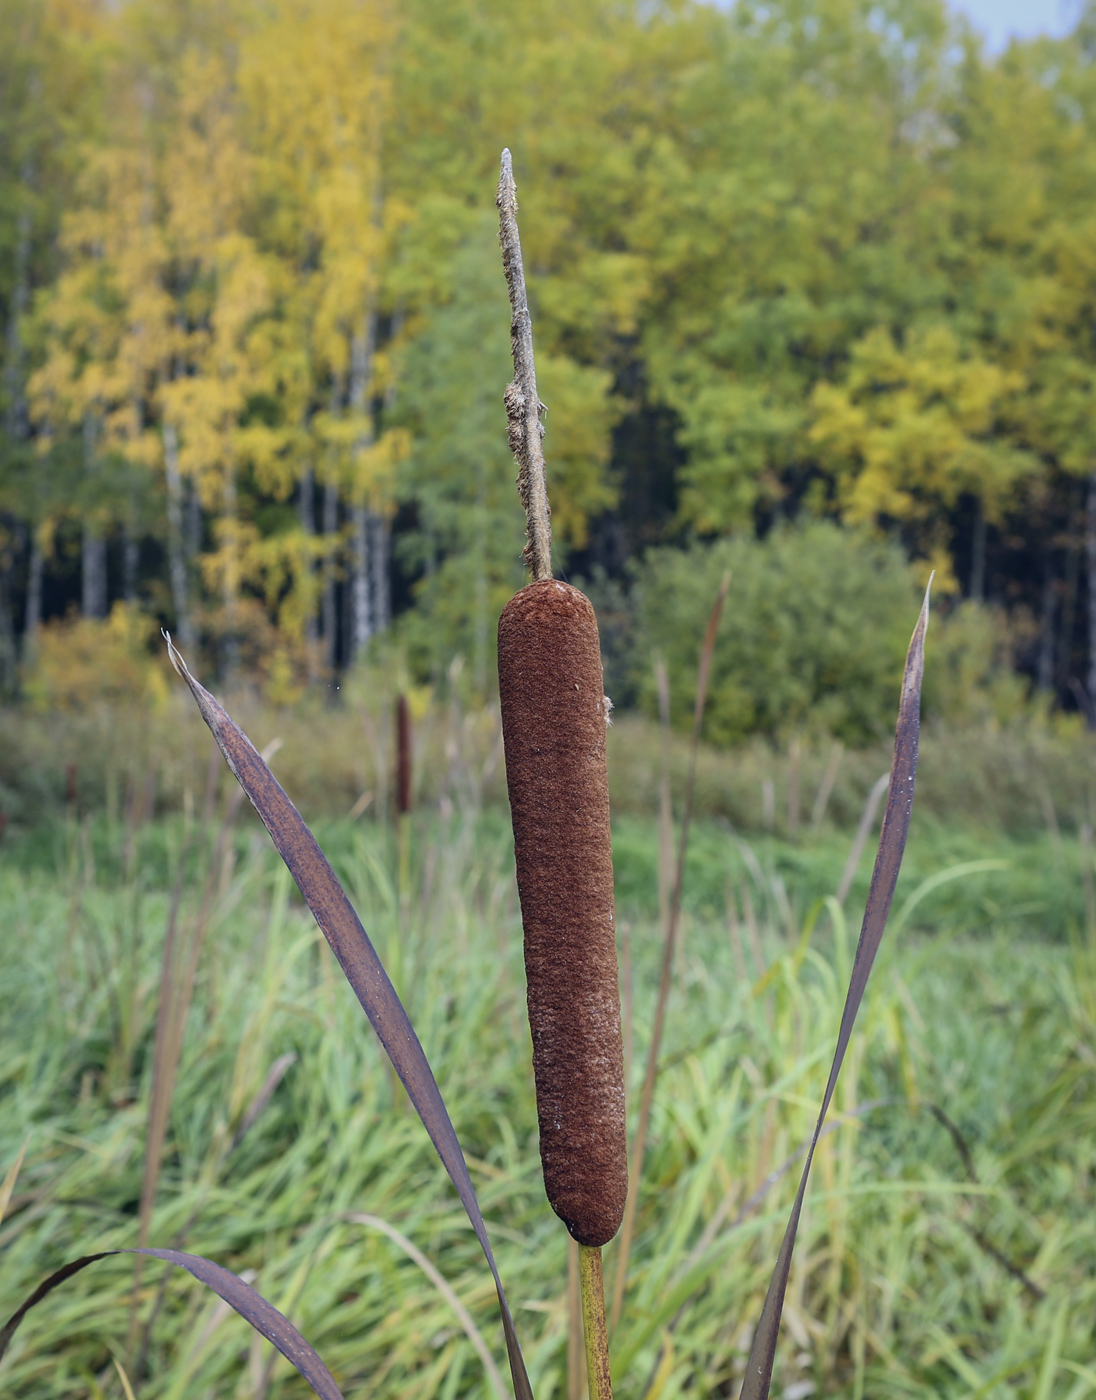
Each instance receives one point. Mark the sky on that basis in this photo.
(1000, 20)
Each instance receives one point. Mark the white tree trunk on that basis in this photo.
(176, 543)
(363, 570)
(361, 603)
(307, 507)
(93, 560)
(33, 619)
(93, 573)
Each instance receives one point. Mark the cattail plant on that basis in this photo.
(554, 717)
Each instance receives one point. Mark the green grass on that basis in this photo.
(901, 1286)
(1024, 887)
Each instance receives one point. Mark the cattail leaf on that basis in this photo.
(888, 860)
(252, 1307)
(364, 971)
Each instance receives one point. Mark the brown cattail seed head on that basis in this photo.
(553, 727)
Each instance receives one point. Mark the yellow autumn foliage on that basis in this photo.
(915, 425)
(79, 662)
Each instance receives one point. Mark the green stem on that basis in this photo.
(593, 1322)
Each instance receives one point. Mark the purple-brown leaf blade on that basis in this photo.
(252, 1307)
(888, 860)
(364, 971)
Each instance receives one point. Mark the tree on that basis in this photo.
(913, 428)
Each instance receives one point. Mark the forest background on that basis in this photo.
(814, 280)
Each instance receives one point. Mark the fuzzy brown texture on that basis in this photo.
(553, 727)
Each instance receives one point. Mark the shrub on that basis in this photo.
(813, 636)
(972, 680)
(81, 660)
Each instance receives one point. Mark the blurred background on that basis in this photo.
(813, 286)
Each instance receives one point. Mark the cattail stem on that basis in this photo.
(576, 1349)
(523, 406)
(593, 1322)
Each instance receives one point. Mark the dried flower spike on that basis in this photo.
(554, 715)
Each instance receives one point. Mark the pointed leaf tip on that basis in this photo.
(175, 656)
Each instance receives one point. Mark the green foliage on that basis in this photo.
(971, 681)
(459, 478)
(814, 632)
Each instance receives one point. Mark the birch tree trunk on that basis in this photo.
(176, 544)
(363, 599)
(93, 580)
(33, 619)
(361, 610)
(93, 560)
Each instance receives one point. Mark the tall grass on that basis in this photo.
(902, 1286)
